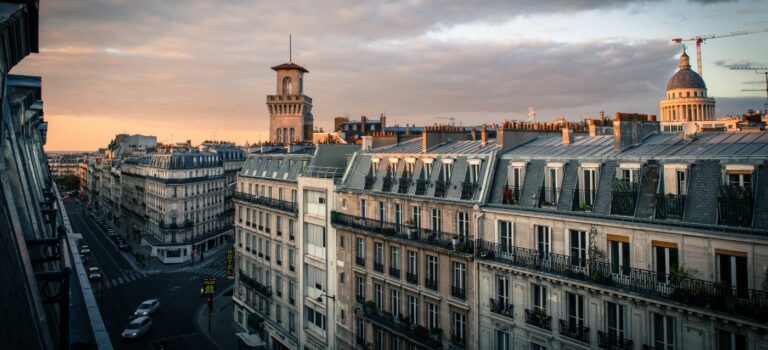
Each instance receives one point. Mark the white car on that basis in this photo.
(94, 274)
(85, 250)
(147, 308)
(138, 327)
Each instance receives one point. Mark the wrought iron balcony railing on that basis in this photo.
(458, 340)
(548, 196)
(360, 261)
(264, 290)
(388, 182)
(735, 206)
(670, 207)
(695, 292)
(538, 319)
(369, 181)
(456, 243)
(501, 307)
(624, 197)
(458, 292)
(583, 200)
(430, 283)
(510, 196)
(612, 341)
(378, 266)
(412, 278)
(441, 188)
(403, 183)
(574, 331)
(394, 272)
(421, 187)
(402, 328)
(267, 202)
(468, 190)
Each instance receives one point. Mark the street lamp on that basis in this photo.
(319, 299)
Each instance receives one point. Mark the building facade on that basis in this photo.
(686, 99)
(290, 111)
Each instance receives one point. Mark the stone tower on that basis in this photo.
(290, 111)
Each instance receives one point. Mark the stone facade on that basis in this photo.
(290, 111)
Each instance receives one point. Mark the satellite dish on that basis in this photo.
(690, 129)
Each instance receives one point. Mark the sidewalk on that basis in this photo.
(223, 327)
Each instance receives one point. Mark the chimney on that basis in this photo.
(383, 120)
(483, 136)
(362, 124)
(435, 135)
(474, 134)
(629, 129)
(567, 136)
(367, 143)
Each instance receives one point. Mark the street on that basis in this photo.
(123, 287)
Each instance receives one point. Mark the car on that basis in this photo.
(85, 250)
(137, 327)
(94, 274)
(147, 307)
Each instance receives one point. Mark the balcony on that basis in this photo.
(406, 233)
(378, 267)
(360, 261)
(402, 328)
(574, 331)
(412, 278)
(538, 318)
(421, 187)
(468, 190)
(624, 197)
(441, 188)
(388, 182)
(264, 290)
(458, 292)
(458, 341)
(430, 283)
(510, 196)
(403, 183)
(670, 206)
(394, 272)
(548, 197)
(583, 200)
(369, 181)
(694, 292)
(501, 307)
(735, 206)
(613, 342)
(267, 202)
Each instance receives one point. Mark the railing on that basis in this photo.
(574, 331)
(500, 307)
(421, 187)
(369, 181)
(458, 340)
(410, 332)
(441, 188)
(430, 283)
(360, 261)
(460, 244)
(624, 197)
(412, 278)
(669, 206)
(583, 200)
(388, 182)
(611, 341)
(403, 184)
(510, 196)
(468, 190)
(323, 172)
(378, 267)
(458, 292)
(548, 196)
(394, 272)
(711, 295)
(538, 319)
(735, 206)
(255, 285)
(268, 202)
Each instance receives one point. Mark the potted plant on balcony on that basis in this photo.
(436, 333)
(370, 305)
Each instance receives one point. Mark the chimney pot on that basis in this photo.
(567, 136)
(483, 136)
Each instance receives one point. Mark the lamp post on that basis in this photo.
(319, 299)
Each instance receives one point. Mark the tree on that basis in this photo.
(68, 182)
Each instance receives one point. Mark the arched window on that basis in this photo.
(285, 135)
(278, 135)
(301, 86)
(287, 86)
(292, 139)
(688, 94)
(695, 94)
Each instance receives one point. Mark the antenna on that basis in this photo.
(290, 48)
(759, 70)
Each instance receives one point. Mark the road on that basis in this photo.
(123, 288)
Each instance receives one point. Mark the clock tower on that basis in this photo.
(290, 111)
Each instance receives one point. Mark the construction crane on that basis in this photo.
(759, 70)
(452, 119)
(700, 39)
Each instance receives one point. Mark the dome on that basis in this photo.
(685, 78)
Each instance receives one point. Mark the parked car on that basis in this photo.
(85, 250)
(137, 327)
(94, 274)
(148, 307)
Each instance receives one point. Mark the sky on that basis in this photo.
(200, 69)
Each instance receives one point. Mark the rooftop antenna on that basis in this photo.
(762, 70)
(290, 48)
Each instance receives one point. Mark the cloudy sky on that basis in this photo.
(199, 69)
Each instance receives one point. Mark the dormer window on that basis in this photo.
(447, 169)
(428, 162)
(629, 172)
(551, 190)
(374, 166)
(474, 170)
(410, 164)
(740, 176)
(587, 185)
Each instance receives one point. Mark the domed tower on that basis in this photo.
(686, 96)
(290, 111)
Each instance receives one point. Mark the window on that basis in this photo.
(732, 271)
(459, 326)
(665, 259)
(741, 178)
(416, 216)
(398, 216)
(615, 321)
(516, 180)
(360, 251)
(279, 254)
(382, 212)
(316, 203)
(503, 340)
(291, 292)
(551, 190)
(291, 234)
(502, 289)
(462, 223)
(535, 346)
(394, 259)
(278, 286)
(578, 241)
(279, 225)
(681, 181)
(432, 315)
(431, 278)
(360, 329)
(544, 241)
(278, 314)
(315, 319)
(474, 173)
(428, 170)
(315, 280)
(458, 280)
(539, 297)
(360, 289)
(575, 311)
(292, 322)
(315, 240)
(362, 208)
(505, 236)
(436, 223)
(379, 297)
(378, 257)
(590, 185)
(619, 252)
(413, 266)
(730, 341)
(629, 175)
(394, 302)
(663, 332)
(291, 260)
(413, 310)
(447, 170)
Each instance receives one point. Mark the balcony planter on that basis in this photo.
(437, 331)
(370, 305)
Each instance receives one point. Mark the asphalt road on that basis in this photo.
(123, 289)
